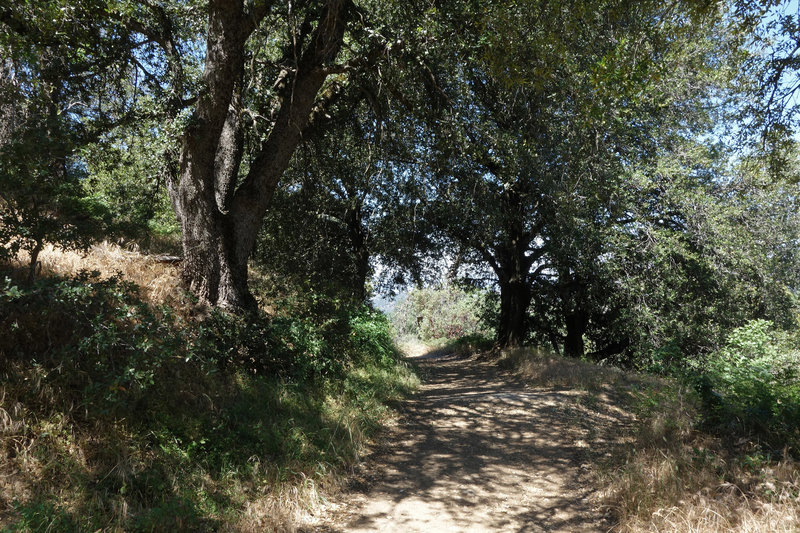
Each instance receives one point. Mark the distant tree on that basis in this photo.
(127, 170)
(545, 124)
(42, 199)
(444, 313)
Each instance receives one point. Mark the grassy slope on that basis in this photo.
(117, 414)
(655, 469)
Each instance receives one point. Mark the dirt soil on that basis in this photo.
(476, 450)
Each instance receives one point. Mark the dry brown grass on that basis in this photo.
(672, 490)
(665, 475)
(543, 369)
(45, 453)
(679, 479)
(12, 444)
(288, 510)
(160, 282)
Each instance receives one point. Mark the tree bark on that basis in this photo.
(576, 323)
(576, 319)
(515, 297)
(34, 262)
(513, 262)
(219, 221)
(359, 242)
(214, 274)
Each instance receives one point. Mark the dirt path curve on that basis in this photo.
(474, 450)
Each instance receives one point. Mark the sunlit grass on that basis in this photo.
(160, 282)
(667, 474)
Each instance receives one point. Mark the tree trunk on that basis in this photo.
(219, 221)
(211, 267)
(512, 263)
(34, 261)
(576, 323)
(358, 240)
(576, 319)
(515, 297)
(362, 271)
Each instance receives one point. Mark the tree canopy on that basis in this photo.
(580, 160)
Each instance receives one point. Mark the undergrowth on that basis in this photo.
(751, 387)
(120, 415)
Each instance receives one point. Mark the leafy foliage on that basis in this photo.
(447, 313)
(127, 172)
(576, 156)
(57, 58)
(680, 289)
(40, 204)
(752, 385)
(553, 140)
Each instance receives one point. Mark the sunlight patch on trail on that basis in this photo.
(475, 451)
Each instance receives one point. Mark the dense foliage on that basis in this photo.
(583, 169)
(168, 418)
(751, 386)
(49, 110)
(444, 314)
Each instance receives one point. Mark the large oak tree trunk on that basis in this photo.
(515, 298)
(219, 221)
(211, 267)
(576, 323)
(515, 291)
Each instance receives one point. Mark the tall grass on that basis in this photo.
(159, 282)
(670, 471)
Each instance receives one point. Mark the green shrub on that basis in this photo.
(441, 314)
(123, 405)
(752, 384)
(114, 343)
(288, 347)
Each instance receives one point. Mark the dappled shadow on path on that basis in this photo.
(475, 451)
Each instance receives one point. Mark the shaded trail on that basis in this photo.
(474, 450)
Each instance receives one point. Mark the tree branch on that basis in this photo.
(251, 200)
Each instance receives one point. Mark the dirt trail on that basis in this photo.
(474, 450)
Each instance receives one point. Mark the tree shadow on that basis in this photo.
(477, 451)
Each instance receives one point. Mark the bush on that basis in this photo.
(441, 314)
(108, 403)
(752, 384)
(112, 341)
